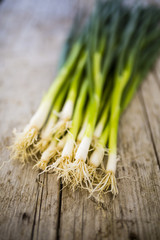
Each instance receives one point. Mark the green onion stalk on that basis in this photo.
(27, 139)
(46, 133)
(80, 168)
(67, 111)
(134, 81)
(101, 123)
(100, 138)
(97, 152)
(65, 163)
(84, 125)
(126, 83)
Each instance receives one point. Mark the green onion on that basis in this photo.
(103, 63)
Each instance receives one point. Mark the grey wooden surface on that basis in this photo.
(31, 36)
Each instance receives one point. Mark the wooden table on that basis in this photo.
(31, 36)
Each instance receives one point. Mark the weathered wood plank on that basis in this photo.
(15, 221)
(150, 100)
(47, 209)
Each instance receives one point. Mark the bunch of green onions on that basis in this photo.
(76, 125)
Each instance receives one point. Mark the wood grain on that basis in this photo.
(36, 206)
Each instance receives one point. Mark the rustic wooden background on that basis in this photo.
(31, 36)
